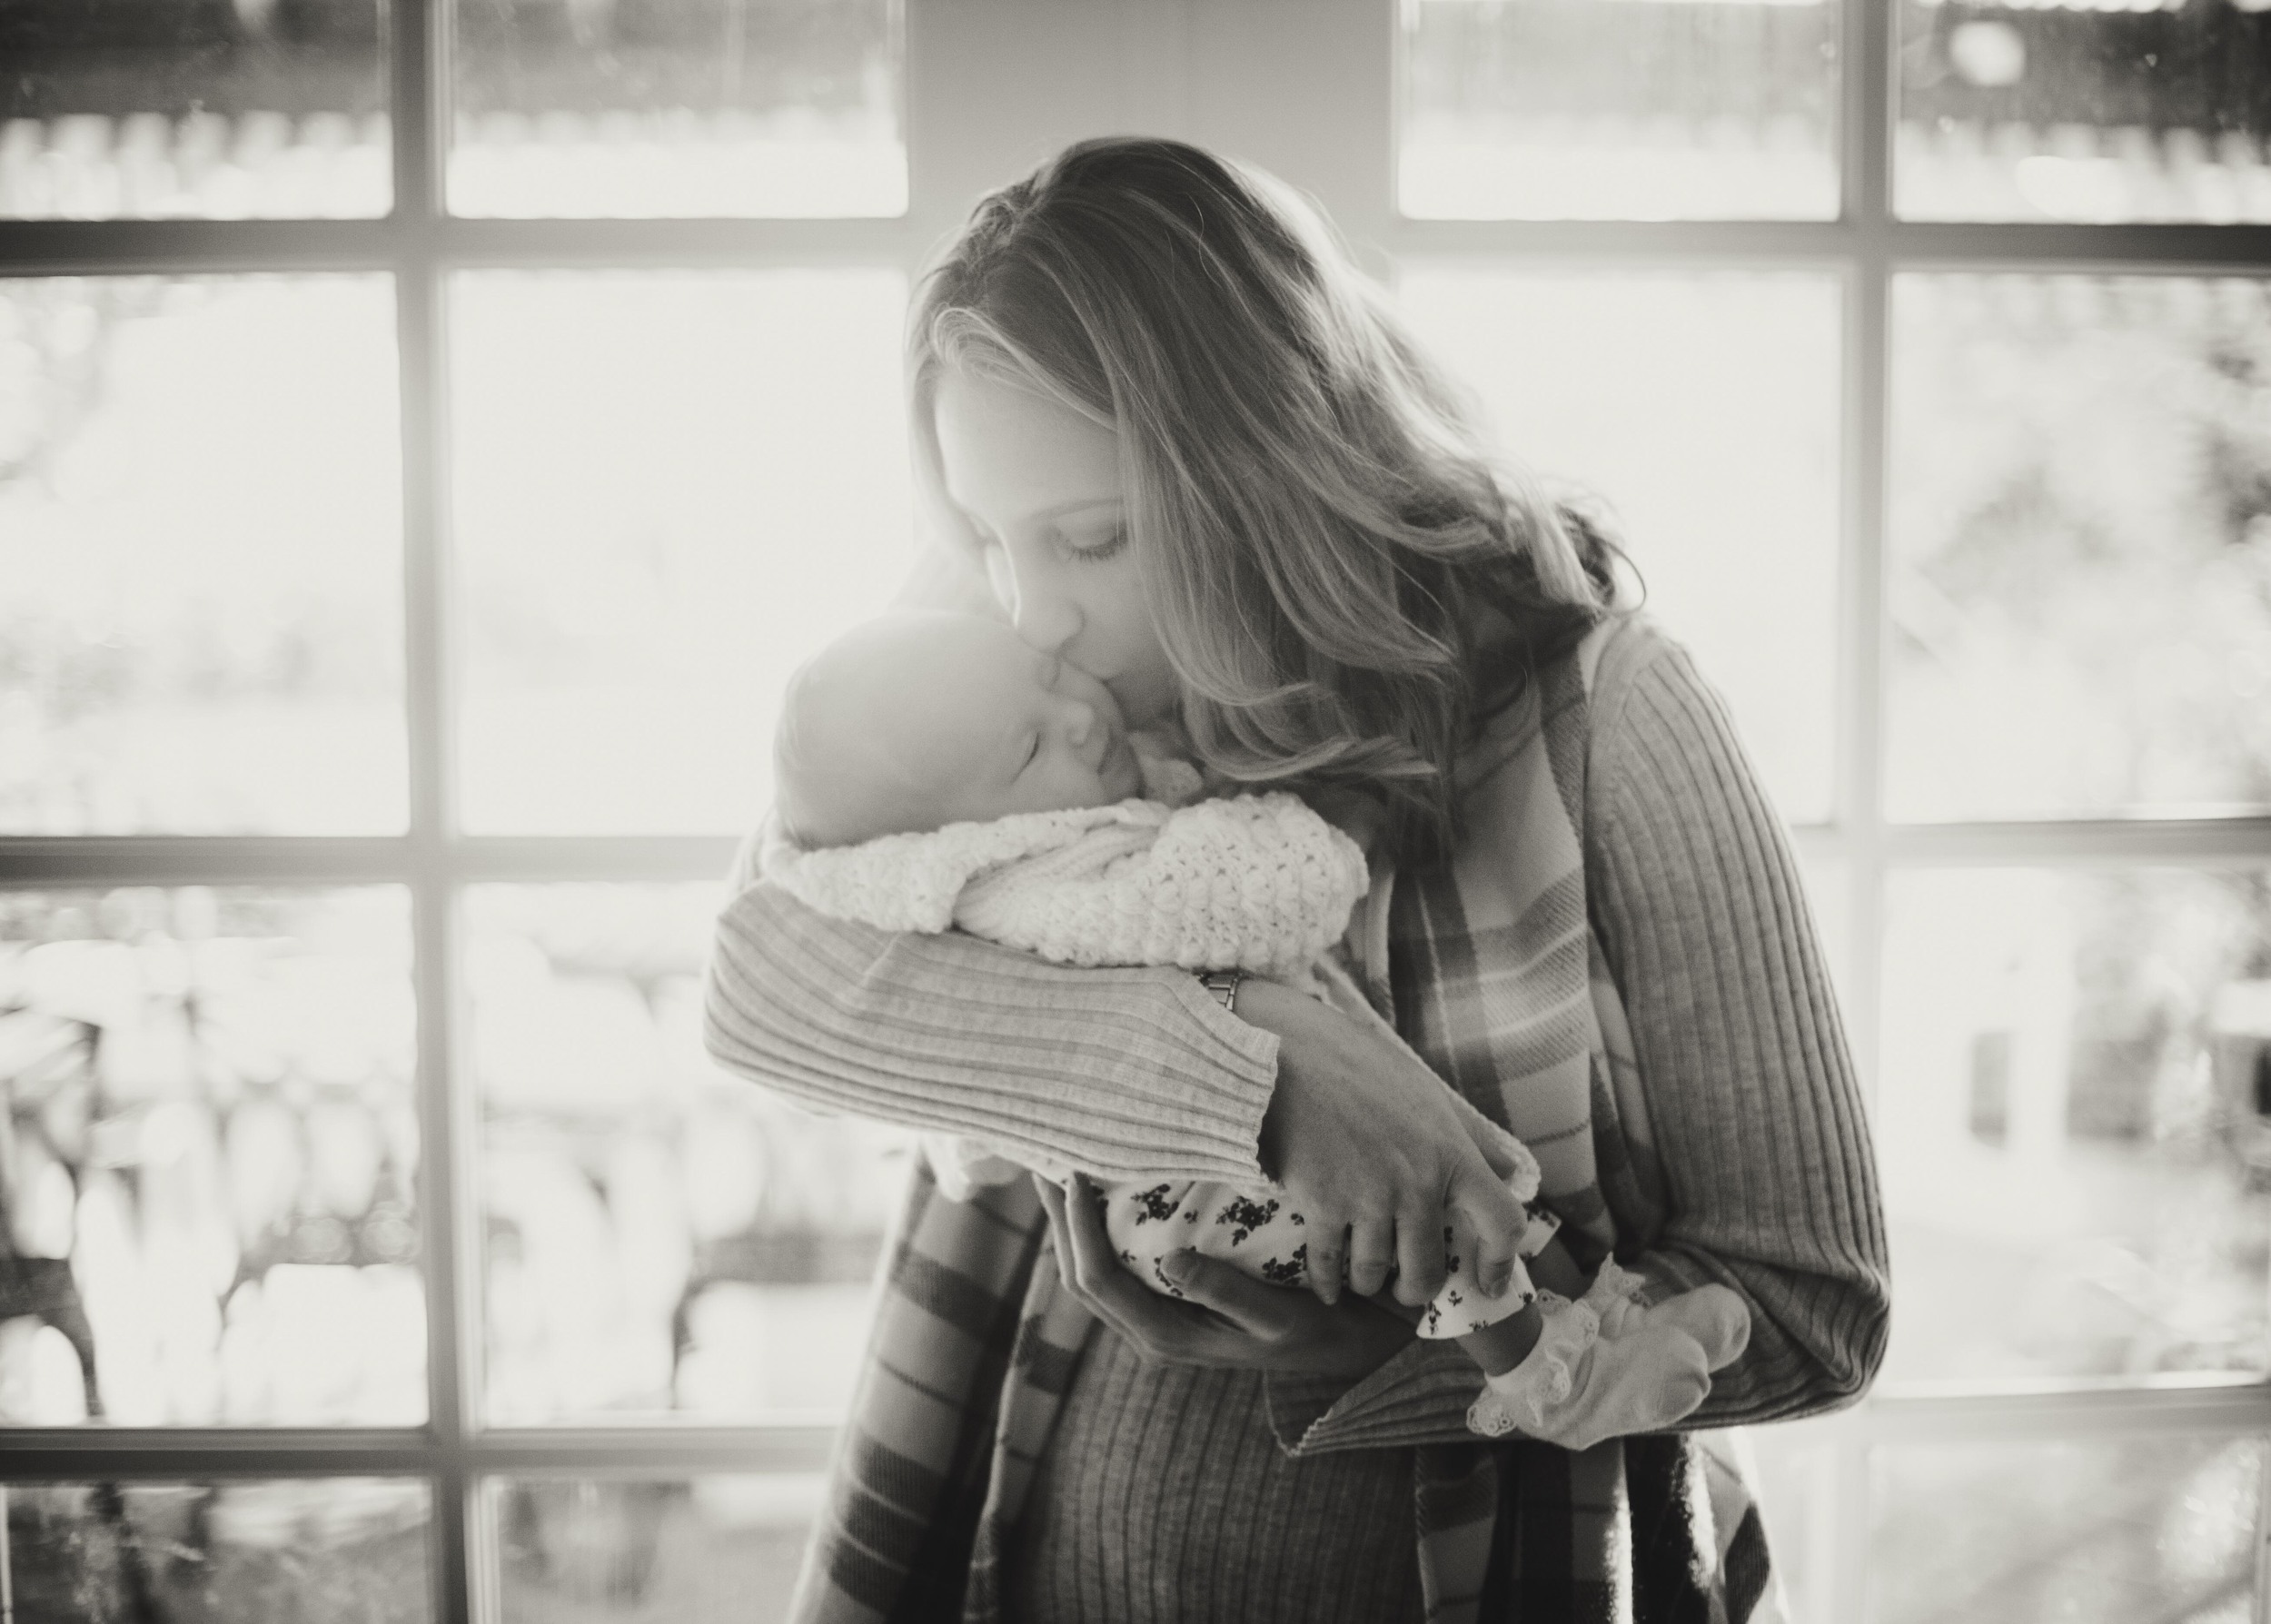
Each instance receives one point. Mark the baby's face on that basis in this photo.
(925, 721)
(1023, 732)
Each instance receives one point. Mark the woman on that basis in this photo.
(1197, 460)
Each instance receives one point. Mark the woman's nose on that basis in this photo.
(1044, 620)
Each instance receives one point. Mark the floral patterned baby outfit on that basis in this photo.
(1258, 1233)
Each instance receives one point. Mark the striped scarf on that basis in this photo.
(1488, 967)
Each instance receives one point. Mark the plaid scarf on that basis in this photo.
(1488, 967)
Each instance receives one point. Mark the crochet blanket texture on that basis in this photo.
(1252, 882)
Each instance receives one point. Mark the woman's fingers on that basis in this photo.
(1327, 1260)
(1094, 1268)
(1490, 1252)
(1484, 1213)
(1419, 1256)
(1160, 1328)
(1226, 1319)
(1068, 1266)
(1255, 1309)
(1371, 1254)
(1493, 1144)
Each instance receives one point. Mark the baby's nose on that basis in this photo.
(1079, 722)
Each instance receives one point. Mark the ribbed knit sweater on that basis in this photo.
(1698, 905)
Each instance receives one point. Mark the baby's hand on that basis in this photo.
(1169, 776)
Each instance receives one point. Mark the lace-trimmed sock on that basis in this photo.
(1599, 1371)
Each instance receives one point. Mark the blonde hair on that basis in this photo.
(1313, 512)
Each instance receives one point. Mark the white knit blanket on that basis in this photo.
(1250, 882)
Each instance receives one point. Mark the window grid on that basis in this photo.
(419, 246)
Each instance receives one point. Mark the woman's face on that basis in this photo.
(1040, 485)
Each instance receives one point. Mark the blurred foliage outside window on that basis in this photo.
(659, 1237)
(229, 109)
(2124, 110)
(343, 1550)
(201, 630)
(210, 1153)
(2080, 579)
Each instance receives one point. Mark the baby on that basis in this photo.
(933, 771)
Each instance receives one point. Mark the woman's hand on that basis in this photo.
(1379, 1155)
(1226, 1319)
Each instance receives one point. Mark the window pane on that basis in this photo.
(211, 1168)
(670, 489)
(1792, 1469)
(1704, 409)
(661, 1237)
(1577, 110)
(201, 631)
(2085, 1533)
(2073, 1099)
(691, 107)
(705, 1550)
(1830, 882)
(205, 112)
(276, 1551)
(2080, 562)
(2095, 113)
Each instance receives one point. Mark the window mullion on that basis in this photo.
(2261, 1612)
(419, 61)
(1866, 112)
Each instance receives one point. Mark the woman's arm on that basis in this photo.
(1122, 1071)
(1755, 1117)
(1756, 1130)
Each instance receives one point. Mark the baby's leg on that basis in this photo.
(1499, 1347)
(1555, 1270)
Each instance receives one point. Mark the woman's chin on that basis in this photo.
(1122, 775)
(1144, 704)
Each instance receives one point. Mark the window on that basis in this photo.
(428, 433)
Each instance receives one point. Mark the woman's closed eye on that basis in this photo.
(1093, 549)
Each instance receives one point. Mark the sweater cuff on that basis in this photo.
(1247, 1075)
(1420, 1396)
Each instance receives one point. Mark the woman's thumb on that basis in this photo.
(1497, 1147)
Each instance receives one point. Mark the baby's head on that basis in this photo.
(921, 719)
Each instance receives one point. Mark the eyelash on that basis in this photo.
(1096, 554)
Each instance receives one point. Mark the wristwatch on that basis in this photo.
(1224, 985)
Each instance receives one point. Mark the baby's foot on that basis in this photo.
(1604, 1367)
(1713, 1315)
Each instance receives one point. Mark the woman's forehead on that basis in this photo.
(1011, 454)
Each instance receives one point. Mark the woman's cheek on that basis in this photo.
(999, 577)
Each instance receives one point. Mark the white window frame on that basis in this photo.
(1307, 88)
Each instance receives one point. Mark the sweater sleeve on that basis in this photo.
(1119, 1071)
(1755, 1116)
